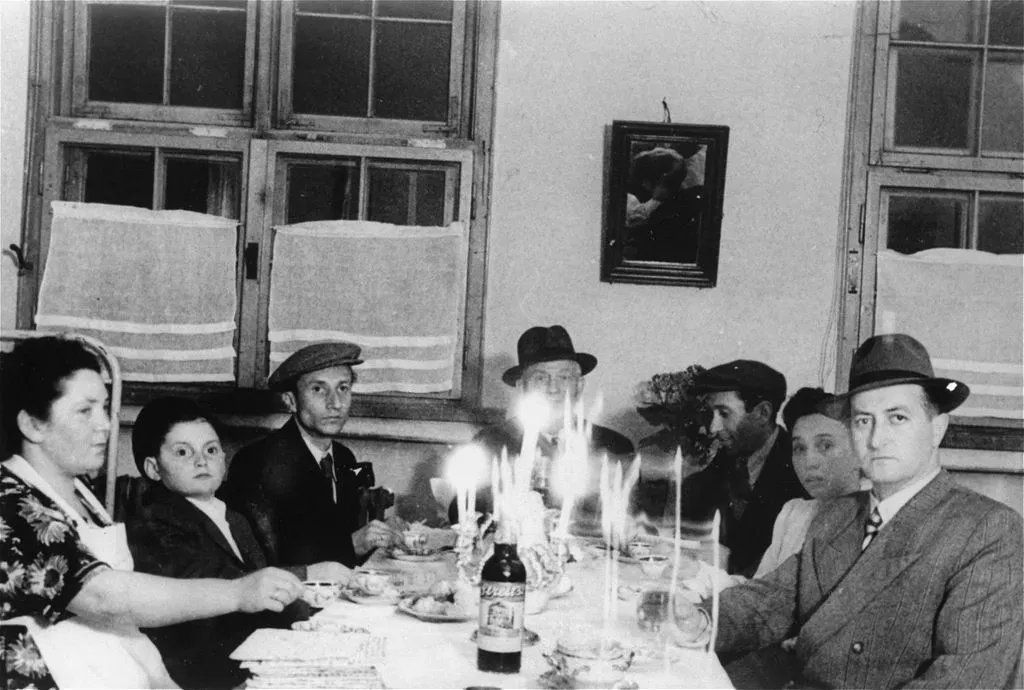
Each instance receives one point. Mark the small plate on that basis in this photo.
(359, 597)
(400, 555)
(405, 606)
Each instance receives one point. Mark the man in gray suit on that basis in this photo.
(917, 583)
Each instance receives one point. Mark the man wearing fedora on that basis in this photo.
(751, 476)
(915, 583)
(299, 486)
(548, 366)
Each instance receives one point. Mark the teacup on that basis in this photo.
(653, 565)
(416, 543)
(319, 593)
(591, 663)
(638, 549)
(372, 582)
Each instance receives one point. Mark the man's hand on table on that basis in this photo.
(268, 589)
(692, 624)
(374, 534)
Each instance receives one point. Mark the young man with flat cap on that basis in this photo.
(299, 486)
(752, 476)
(915, 583)
(549, 366)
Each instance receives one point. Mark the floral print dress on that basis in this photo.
(43, 566)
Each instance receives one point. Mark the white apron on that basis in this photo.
(83, 654)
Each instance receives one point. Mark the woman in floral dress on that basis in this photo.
(65, 568)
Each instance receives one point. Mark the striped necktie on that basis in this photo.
(871, 527)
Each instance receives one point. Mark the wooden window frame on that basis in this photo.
(78, 32)
(883, 150)
(463, 17)
(53, 124)
(867, 169)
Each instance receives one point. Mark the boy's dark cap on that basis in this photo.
(744, 375)
(313, 358)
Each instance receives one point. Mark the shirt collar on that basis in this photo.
(890, 506)
(314, 450)
(212, 506)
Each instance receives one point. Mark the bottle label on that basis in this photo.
(502, 606)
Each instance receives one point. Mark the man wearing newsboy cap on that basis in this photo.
(915, 583)
(551, 368)
(299, 486)
(752, 476)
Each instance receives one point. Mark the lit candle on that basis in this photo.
(464, 469)
(676, 534)
(716, 528)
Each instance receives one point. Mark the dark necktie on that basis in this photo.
(871, 528)
(327, 467)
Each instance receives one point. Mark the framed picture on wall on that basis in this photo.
(663, 203)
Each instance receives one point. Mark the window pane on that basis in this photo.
(335, 6)
(405, 195)
(119, 178)
(126, 53)
(423, 9)
(332, 66)
(412, 71)
(1001, 224)
(203, 186)
(322, 192)
(933, 99)
(1003, 119)
(922, 221)
(946, 21)
(207, 58)
(1006, 26)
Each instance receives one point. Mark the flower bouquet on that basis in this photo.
(669, 401)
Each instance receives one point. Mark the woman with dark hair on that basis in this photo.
(825, 464)
(66, 571)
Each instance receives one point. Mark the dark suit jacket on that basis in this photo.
(508, 434)
(936, 600)
(171, 537)
(748, 537)
(278, 485)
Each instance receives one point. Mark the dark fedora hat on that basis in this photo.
(546, 344)
(897, 358)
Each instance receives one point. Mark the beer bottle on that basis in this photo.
(499, 639)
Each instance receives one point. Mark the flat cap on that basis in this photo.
(313, 358)
(744, 375)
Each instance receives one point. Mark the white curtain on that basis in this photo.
(157, 287)
(396, 291)
(967, 307)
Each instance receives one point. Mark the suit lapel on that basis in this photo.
(869, 573)
(182, 506)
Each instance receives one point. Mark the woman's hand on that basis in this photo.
(268, 589)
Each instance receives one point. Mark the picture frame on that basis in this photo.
(664, 189)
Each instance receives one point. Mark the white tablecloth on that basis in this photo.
(441, 655)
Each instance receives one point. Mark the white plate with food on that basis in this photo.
(427, 608)
(358, 596)
(402, 555)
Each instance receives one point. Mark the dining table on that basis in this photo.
(427, 654)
